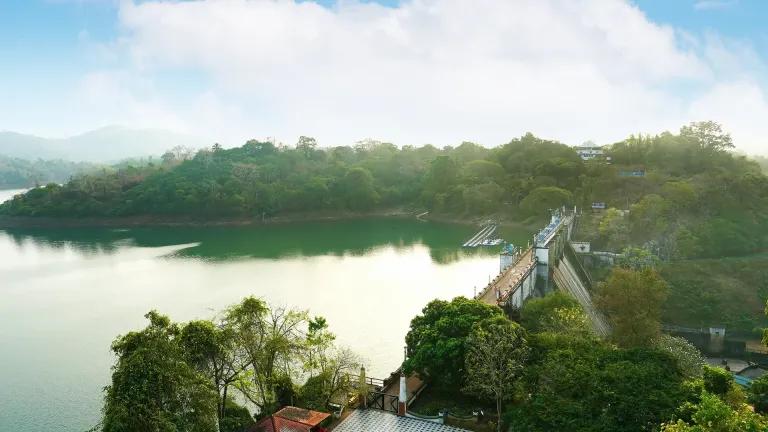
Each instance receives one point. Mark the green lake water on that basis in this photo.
(66, 293)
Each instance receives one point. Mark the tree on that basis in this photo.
(306, 145)
(717, 380)
(359, 192)
(329, 367)
(687, 244)
(688, 357)
(482, 198)
(614, 228)
(714, 415)
(436, 341)
(483, 171)
(757, 394)
(576, 383)
(648, 218)
(680, 195)
(442, 175)
(544, 199)
(153, 388)
(270, 340)
(634, 258)
(212, 351)
(556, 312)
(632, 301)
(708, 135)
(236, 418)
(331, 380)
(496, 352)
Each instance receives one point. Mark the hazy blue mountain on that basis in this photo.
(107, 144)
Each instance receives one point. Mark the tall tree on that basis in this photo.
(442, 175)
(212, 350)
(153, 388)
(544, 199)
(359, 190)
(270, 340)
(496, 353)
(632, 301)
(436, 341)
(708, 135)
(306, 145)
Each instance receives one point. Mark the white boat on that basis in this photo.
(492, 242)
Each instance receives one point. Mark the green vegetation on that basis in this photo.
(684, 195)
(717, 404)
(556, 312)
(437, 339)
(713, 414)
(20, 173)
(583, 384)
(496, 353)
(694, 199)
(553, 373)
(565, 378)
(688, 357)
(183, 376)
(726, 291)
(153, 388)
(632, 300)
(262, 179)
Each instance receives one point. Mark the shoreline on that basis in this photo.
(22, 222)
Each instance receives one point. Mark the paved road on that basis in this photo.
(508, 280)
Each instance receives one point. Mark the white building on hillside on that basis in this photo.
(589, 151)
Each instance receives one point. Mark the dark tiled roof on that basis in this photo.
(380, 421)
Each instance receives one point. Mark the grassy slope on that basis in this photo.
(727, 291)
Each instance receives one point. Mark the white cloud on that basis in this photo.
(713, 4)
(112, 97)
(742, 107)
(435, 71)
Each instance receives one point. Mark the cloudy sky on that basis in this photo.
(409, 71)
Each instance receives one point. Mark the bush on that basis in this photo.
(717, 380)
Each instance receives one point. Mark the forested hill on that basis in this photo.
(21, 173)
(260, 178)
(688, 195)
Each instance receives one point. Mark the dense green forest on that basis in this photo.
(682, 195)
(18, 173)
(548, 371)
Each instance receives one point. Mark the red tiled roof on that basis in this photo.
(278, 424)
(301, 415)
(291, 419)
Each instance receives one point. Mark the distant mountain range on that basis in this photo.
(108, 144)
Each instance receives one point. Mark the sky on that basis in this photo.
(407, 72)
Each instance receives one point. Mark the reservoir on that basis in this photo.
(65, 294)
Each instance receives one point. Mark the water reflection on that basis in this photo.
(335, 238)
(66, 294)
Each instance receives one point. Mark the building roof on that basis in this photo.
(278, 424)
(371, 420)
(291, 419)
(301, 415)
